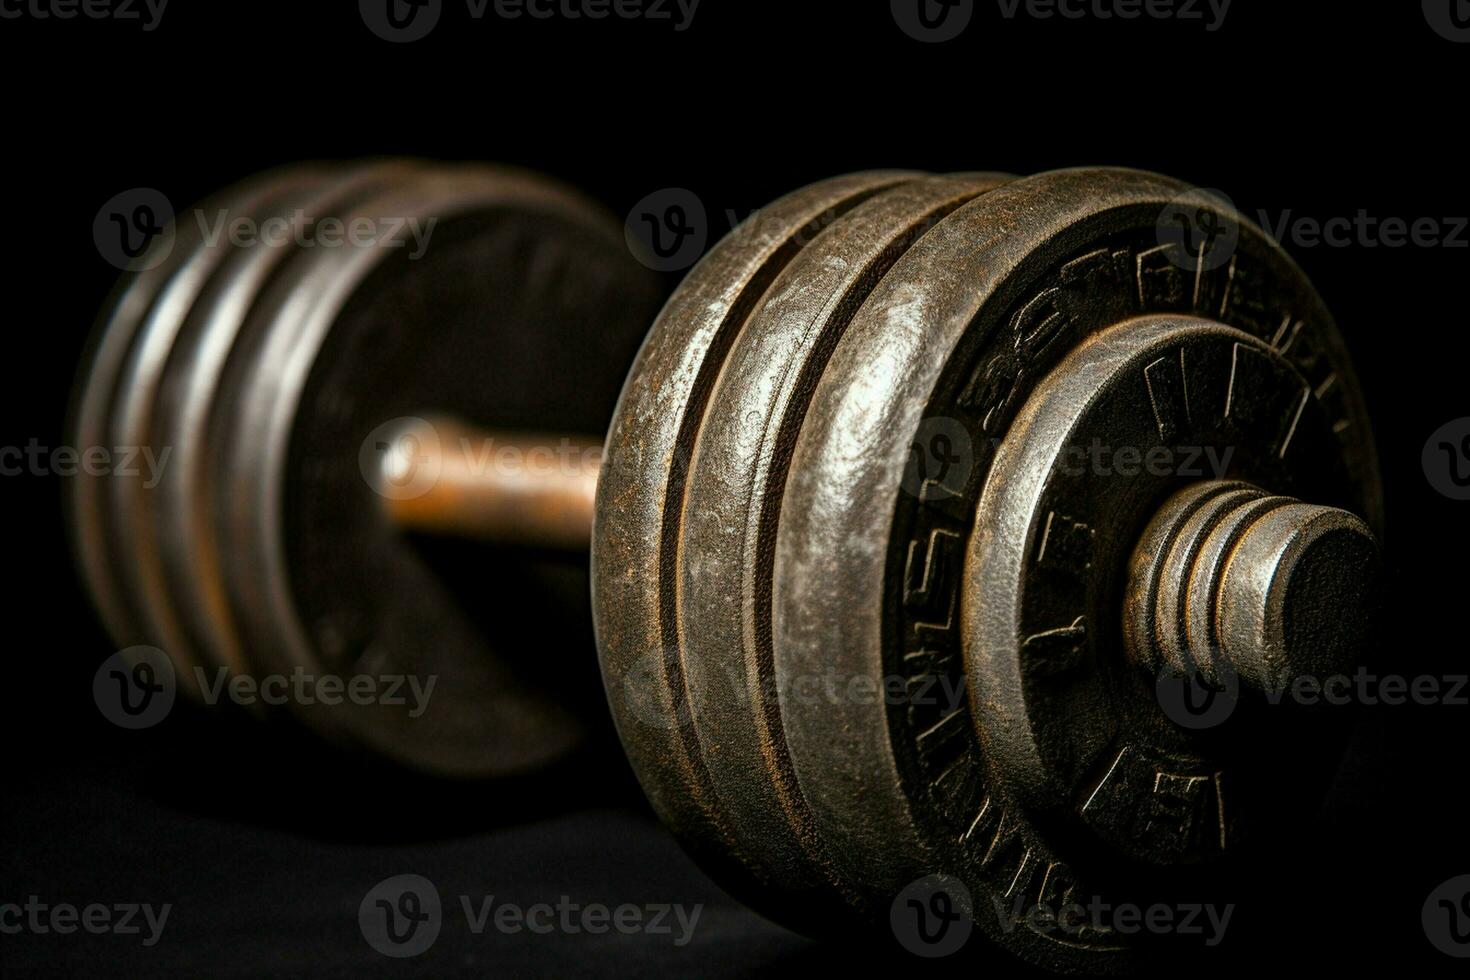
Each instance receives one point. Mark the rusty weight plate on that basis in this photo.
(734, 498)
(855, 546)
(1077, 732)
(641, 501)
(868, 576)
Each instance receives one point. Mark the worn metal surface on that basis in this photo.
(641, 502)
(1072, 728)
(802, 551)
(1229, 579)
(734, 494)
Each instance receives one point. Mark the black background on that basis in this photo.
(264, 847)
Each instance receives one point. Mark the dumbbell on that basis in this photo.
(843, 483)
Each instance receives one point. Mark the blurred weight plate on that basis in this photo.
(163, 288)
(173, 533)
(127, 502)
(516, 315)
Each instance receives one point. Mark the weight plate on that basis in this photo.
(1078, 734)
(641, 502)
(867, 573)
(480, 322)
(735, 494)
(176, 541)
(132, 302)
(127, 500)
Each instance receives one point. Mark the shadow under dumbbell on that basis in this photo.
(280, 775)
(227, 766)
(284, 776)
